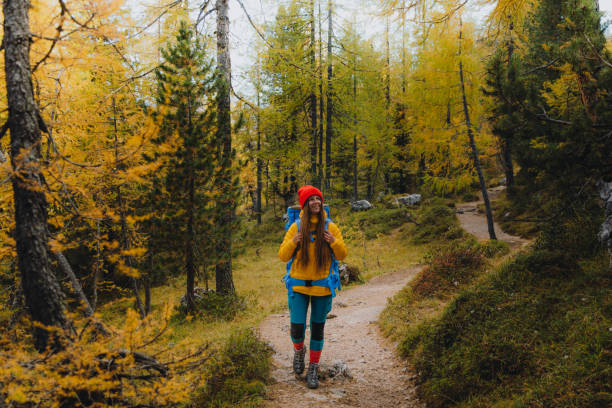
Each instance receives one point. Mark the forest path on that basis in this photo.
(380, 378)
(475, 222)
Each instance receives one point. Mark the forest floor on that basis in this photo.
(379, 378)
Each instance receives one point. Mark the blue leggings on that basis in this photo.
(298, 306)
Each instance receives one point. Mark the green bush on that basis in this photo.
(437, 222)
(375, 221)
(238, 377)
(493, 248)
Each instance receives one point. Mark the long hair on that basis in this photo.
(322, 255)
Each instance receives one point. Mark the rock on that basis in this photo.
(285, 218)
(502, 181)
(198, 294)
(410, 200)
(459, 211)
(331, 316)
(349, 273)
(340, 304)
(361, 205)
(337, 370)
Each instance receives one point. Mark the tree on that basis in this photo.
(227, 187)
(40, 287)
(186, 146)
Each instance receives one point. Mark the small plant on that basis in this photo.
(448, 267)
(214, 305)
(238, 377)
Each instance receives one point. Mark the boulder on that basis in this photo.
(410, 200)
(349, 273)
(198, 294)
(361, 205)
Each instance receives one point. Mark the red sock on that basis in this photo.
(315, 355)
(298, 346)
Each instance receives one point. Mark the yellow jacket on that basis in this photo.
(310, 271)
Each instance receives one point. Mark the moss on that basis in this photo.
(238, 377)
(437, 222)
(513, 339)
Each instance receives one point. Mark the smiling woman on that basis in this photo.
(309, 281)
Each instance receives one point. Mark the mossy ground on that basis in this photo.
(532, 330)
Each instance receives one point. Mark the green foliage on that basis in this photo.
(214, 306)
(237, 378)
(437, 222)
(493, 248)
(512, 338)
(374, 221)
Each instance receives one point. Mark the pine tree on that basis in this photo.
(184, 188)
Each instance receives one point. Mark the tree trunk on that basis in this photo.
(225, 207)
(76, 285)
(96, 277)
(313, 97)
(321, 102)
(329, 128)
(41, 290)
(468, 123)
(125, 241)
(507, 142)
(355, 133)
(190, 267)
(259, 160)
(387, 67)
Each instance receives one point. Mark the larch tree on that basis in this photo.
(41, 290)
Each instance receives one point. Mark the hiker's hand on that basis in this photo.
(297, 238)
(329, 237)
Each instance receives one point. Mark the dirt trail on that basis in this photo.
(379, 378)
(474, 221)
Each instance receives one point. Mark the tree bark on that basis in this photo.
(225, 208)
(41, 289)
(76, 285)
(468, 123)
(313, 97)
(387, 67)
(507, 142)
(190, 267)
(259, 160)
(329, 129)
(355, 133)
(125, 241)
(321, 102)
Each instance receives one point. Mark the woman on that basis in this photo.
(311, 248)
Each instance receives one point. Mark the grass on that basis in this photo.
(535, 330)
(376, 242)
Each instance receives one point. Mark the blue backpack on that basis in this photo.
(333, 279)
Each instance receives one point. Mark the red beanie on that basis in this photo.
(305, 192)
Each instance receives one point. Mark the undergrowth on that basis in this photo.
(536, 332)
(238, 377)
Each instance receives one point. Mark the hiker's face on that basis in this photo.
(314, 204)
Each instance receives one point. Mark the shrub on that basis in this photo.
(376, 221)
(493, 248)
(214, 305)
(437, 222)
(238, 377)
(448, 267)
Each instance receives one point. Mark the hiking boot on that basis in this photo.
(312, 377)
(298, 360)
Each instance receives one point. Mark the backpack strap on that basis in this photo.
(333, 278)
